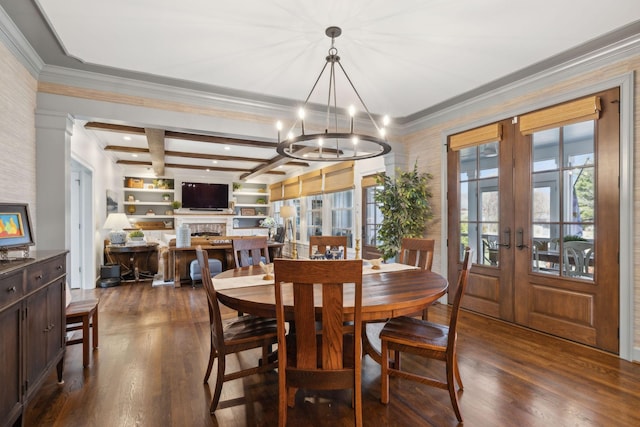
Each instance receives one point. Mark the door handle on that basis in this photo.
(507, 235)
(520, 239)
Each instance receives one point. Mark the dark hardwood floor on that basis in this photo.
(154, 345)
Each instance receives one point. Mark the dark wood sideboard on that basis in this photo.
(32, 328)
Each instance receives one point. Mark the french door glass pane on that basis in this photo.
(480, 202)
(563, 197)
(546, 150)
(373, 217)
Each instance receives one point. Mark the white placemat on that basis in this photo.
(240, 282)
(257, 280)
(385, 268)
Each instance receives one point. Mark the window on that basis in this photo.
(313, 215)
(342, 215)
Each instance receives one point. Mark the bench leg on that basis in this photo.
(95, 328)
(85, 340)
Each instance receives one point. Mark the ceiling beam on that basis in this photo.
(272, 164)
(155, 141)
(186, 154)
(193, 167)
(114, 128)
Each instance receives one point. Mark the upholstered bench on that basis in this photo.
(215, 267)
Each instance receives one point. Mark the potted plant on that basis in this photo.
(176, 204)
(166, 197)
(405, 203)
(136, 235)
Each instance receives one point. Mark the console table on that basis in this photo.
(135, 260)
(32, 327)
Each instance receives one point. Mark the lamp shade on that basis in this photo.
(117, 221)
(288, 211)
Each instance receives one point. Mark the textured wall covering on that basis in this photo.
(17, 132)
(426, 145)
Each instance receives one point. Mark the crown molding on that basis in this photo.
(18, 45)
(491, 94)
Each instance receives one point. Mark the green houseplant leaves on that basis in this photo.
(405, 203)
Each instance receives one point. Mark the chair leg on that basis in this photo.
(456, 371)
(219, 381)
(212, 356)
(384, 373)
(452, 392)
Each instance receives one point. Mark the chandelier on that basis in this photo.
(339, 141)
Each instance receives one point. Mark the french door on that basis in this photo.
(537, 198)
(371, 218)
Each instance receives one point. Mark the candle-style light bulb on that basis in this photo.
(320, 142)
(301, 116)
(279, 127)
(354, 141)
(386, 120)
(352, 113)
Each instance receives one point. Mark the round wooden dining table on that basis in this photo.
(385, 294)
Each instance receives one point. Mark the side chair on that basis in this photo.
(324, 243)
(323, 352)
(426, 339)
(243, 333)
(250, 251)
(417, 253)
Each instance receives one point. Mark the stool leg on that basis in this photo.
(95, 328)
(85, 340)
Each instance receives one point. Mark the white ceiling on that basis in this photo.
(404, 56)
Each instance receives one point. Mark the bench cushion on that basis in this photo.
(215, 267)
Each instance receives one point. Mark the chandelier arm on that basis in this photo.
(359, 97)
(310, 93)
(331, 84)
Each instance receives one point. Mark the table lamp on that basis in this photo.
(116, 222)
(289, 212)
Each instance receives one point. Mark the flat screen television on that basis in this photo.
(205, 196)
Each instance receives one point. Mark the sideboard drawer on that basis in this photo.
(11, 289)
(40, 274)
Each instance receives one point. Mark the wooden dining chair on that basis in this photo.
(417, 252)
(426, 339)
(250, 251)
(243, 333)
(325, 243)
(324, 351)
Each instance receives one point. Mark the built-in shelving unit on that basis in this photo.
(148, 202)
(251, 205)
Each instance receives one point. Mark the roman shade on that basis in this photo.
(369, 181)
(338, 177)
(561, 115)
(275, 192)
(311, 183)
(477, 136)
(291, 188)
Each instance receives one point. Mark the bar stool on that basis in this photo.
(83, 315)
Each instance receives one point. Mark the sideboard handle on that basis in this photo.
(11, 289)
(59, 267)
(39, 276)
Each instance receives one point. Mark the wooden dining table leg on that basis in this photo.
(367, 347)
